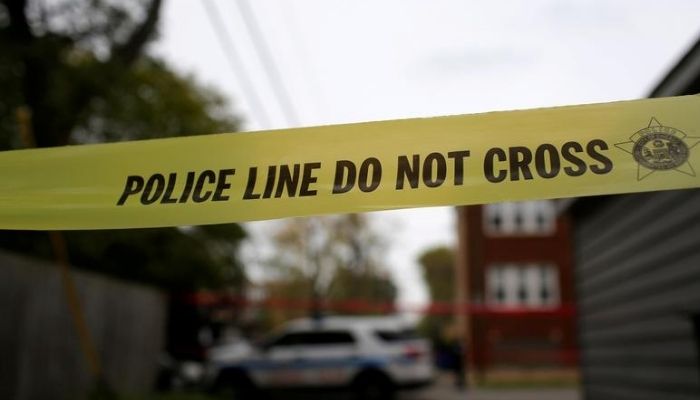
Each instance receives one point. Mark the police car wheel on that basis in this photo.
(374, 386)
(242, 392)
(238, 385)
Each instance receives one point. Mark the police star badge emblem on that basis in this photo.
(660, 148)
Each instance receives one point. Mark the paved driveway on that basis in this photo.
(449, 393)
(443, 391)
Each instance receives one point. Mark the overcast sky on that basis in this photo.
(350, 61)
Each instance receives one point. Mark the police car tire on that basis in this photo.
(239, 383)
(371, 385)
(243, 391)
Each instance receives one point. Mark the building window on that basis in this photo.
(537, 218)
(522, 285)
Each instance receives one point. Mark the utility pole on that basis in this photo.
(60, 253)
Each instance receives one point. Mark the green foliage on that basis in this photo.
(437, 265)
(79, 68)
(375, 287)
(292, 287)
(332, 258)
(316, 249)
(171, 258)
(59, 56)
(152, 101)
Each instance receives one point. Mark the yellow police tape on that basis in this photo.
(620, 147)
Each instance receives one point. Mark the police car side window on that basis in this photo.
(328, 338)
(290, 339)
(314, 338)
(396, 335)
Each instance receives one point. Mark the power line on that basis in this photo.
(301, 50)
(267, 61)
(229, 49)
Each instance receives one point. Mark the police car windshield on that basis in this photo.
(396, 335)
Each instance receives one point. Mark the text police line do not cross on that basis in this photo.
(297, 180)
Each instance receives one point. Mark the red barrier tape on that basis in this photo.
(359, 306)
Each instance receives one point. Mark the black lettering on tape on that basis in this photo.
(222, 184)
(309, 179)
(362, 182)
(459, 157)
(198, 196)
(408, 171)
(440, 170)
(566, 153)
(607, 164)
(270, 183)
(134, 184)
(520, 158)
(187, 190)
(500, 155)
(341, 184)
(547, 169)
(153, 189)
(249, 193)
(167, 197)
(289, 180)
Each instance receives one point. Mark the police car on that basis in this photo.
(372, 356)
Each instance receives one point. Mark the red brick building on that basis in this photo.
(514, 269)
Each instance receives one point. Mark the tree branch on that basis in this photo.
(128, 52)
(19, 26)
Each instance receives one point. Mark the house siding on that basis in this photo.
(638, 288)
